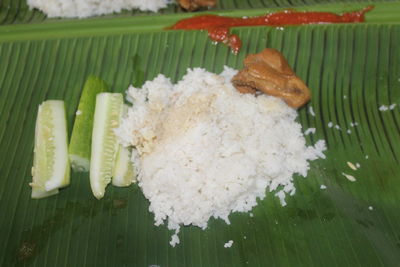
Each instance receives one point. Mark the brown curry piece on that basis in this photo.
(270, 73)
(196, 4)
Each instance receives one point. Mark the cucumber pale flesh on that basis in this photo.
(50, 169)
(107, 117)
(124, 172)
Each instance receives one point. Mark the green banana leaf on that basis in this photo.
(352, 70)
(18, 11)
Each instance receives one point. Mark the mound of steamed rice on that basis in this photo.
(88, 8)
(204, 150)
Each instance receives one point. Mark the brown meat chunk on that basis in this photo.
(196, 4)
(270, 73)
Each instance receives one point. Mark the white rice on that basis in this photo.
(88, 8)
(204, 150)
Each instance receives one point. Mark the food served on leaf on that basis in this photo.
(88, 8)
(204, 150)
(218, 27)
(196, 4)
(200, 148)
(93, 143)
(269, 72)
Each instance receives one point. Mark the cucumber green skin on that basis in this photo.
(81, 138)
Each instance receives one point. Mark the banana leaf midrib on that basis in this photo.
(383, 13)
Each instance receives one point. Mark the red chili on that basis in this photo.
(218, 27)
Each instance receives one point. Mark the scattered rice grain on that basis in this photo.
(352, 166)
(311, 110)
(349, 177)
(383, 108)
(228, 244)
(310, 131)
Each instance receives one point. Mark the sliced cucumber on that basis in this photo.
(50, 164)
(38, 193)
(124, 173)
(107, 117)
(81, 138)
